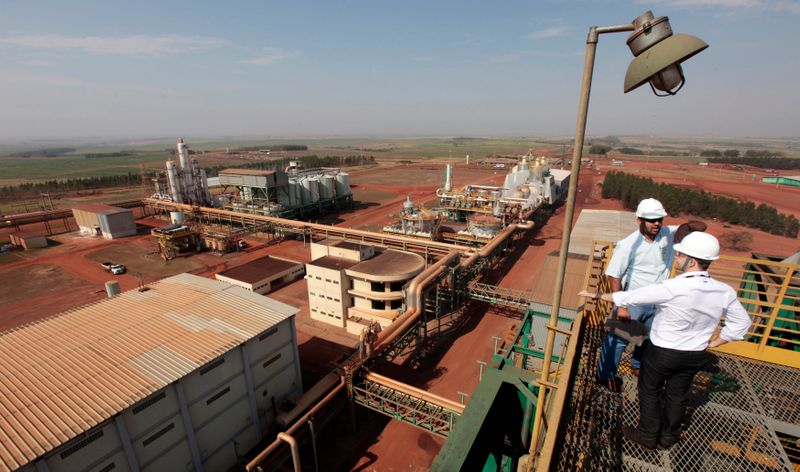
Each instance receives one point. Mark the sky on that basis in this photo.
(109, 68)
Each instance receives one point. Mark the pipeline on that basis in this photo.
(415, 392)
(292, 429)
(293, 446)
(312, 226)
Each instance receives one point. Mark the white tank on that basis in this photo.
(448, 178)
(174, 182)
(342, 184)
(176, 217)
(327, 187)
(313, 188)
(183, 155)
(295, 193)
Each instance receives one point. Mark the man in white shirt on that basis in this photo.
(688, 310)
(642, 258)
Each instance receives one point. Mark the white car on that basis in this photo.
(117, 269)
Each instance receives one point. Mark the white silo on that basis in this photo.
(175, 187)
(313, 188)
(342, 184)
(327, 187)
(183, 155)
(295, 193)
(448, 178)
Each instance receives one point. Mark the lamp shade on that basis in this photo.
(672, 50)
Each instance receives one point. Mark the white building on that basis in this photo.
(180, 375)
(352, 285)
(262, 274)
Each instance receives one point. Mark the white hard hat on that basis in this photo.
(650, 208)
(699, 245)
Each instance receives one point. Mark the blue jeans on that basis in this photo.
(613, 345)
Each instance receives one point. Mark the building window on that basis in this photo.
(107, 468)
(212, 366)
(270, 361)
(218, 395)
(149, 402)
(378, 305)
(158, 434)
(82, 443)
(376, 286)
(396, 304)
(336, 282)
(268, 334)
(336, 299)
(396, 286)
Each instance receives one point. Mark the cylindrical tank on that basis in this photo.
(175, 187)
(305, 191)
(176, 217)
(342, 184)
(538, 170)
(313, 188)
(485, 226)
(295, 193)
(183, 155)
(448, 176)
(327, 187)
(112, 288)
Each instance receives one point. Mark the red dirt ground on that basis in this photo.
(396, 446)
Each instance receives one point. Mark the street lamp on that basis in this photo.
(658, 57)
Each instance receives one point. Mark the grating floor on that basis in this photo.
(739, 412)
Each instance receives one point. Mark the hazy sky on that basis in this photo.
(265, 68)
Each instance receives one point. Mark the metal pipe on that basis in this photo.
(313, 444)
(416, 392)
(292, 429)
(580, 133)
(293, 446)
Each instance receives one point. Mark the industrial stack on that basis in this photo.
(184, 182)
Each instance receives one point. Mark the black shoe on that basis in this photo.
(666, 442)
(636, 436)
(613, 385)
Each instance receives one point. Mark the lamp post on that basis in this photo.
(658, 55)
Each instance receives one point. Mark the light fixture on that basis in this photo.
(658, 55)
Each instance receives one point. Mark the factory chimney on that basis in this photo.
(448, 176)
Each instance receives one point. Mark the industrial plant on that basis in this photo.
(184, 182)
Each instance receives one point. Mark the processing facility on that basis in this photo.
(486, 209)
(184, 182)
(185, 373)
(289, 193)
(416, 222)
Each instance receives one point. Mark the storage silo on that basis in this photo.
(342, 184)
(295, 193)
(313, 188)
(327, 187)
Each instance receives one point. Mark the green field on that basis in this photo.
(151, 154)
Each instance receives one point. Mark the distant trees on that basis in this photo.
(731, 153)
(630, 189)
(736, 240)
(760, 162)
(631, 151)
(710, 153)
(601, 149)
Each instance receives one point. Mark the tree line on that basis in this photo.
(760, 162)
(631, 189)
(33, 189)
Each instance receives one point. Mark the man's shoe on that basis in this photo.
(636, 436)
(613, 385)
(666, 442)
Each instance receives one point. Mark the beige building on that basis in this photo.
(182, 375)
(352, 285)
(262, 274)
(104, 220)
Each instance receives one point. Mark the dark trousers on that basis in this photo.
(666, 375)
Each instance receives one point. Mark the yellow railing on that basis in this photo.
(769, 290)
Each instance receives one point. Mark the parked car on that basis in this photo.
(117, 269)
(107, 265)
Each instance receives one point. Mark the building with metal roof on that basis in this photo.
(790, 180)
(352, 285)
(181, 374)
(262, 274)
(106, 220)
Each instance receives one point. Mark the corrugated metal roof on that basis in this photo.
(600, 225)
(259, 269)
(99, 208)
(66, 374)
(246, 172)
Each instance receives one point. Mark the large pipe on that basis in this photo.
(271, 448)
(301, 225)
(295, 451)
(416, 392)
(448, 178)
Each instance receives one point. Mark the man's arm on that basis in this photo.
(616, 286)
(737, 322)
